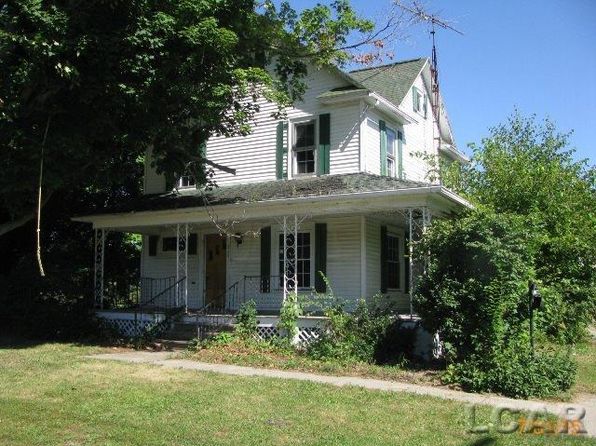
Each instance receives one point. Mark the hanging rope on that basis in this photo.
(43, 144)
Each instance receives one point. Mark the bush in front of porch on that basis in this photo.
(475, 294)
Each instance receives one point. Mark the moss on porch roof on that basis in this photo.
(264, 191)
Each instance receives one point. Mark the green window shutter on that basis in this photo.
(265, 259)
(280, 151)
(425, 106)
(192, 244)
(383, 259)
(400, 156)
(383, 132)
(324, 143)
(153, 239)
(320, 256)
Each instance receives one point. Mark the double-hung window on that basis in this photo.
(303, 251)
(393, 261)
(304, 147)
(391, 150)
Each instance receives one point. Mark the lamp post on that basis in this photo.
(534, 302)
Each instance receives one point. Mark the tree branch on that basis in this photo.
(9, 226)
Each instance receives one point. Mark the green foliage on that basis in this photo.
(475, 287)
(290, 311)
(110, 79)
(475, 295)
(515, 373)
(449, 173)
(367, 334)
(246, 319)
(527, 169)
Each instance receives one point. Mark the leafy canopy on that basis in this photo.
(526, 168)
(110, 78)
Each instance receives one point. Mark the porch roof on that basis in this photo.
(360, 193)
(327, 185)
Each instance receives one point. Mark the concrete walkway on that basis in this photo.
(164, 359)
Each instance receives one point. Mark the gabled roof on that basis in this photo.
(391, 81)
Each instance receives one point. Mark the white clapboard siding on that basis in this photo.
(253, 156)
(164, 265)
(343, 257)
(153, 183)
(419, 137)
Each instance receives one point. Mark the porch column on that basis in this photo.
(182, 264)
(98, 260)
(417, 226)
(410, 262)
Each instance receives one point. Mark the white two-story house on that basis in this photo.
(336, 189)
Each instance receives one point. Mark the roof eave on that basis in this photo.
(389, 108)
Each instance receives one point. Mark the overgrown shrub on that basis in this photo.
(515, 373)
(475, 287)
(246, 319)
(474, 293)
(289, 313)
(368, 334)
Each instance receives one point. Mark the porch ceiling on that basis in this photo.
(327, 195)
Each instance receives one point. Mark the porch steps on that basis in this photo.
(179, 335)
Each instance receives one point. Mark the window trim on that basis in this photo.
(292, 142)
(276, 260)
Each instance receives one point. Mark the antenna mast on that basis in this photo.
(419, 13)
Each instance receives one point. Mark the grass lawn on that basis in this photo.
(585, 355)
(50, 395)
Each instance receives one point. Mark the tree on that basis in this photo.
(106, 79)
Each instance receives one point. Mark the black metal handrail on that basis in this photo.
(169, 298)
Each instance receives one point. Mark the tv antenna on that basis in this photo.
(419, 13)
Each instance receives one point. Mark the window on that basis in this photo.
(303, 260)
(391, 149)
(304, 147)
(417, 99)
(168, 244)
(186, 181)
(393, 260)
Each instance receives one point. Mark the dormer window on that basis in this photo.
(304, 147)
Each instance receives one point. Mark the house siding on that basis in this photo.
(343, 257)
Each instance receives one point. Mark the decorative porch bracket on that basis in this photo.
(98, 260)
(182, 264)
(290, 227)
(419, 220)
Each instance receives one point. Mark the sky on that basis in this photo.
(537, 56)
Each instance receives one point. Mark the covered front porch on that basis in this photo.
(202, 255)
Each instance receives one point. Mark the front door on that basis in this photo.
(215, 270)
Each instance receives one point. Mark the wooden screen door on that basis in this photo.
(215, 270)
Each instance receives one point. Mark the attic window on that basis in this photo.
(417, 99)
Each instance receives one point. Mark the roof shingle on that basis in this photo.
(390, 81)
(269, 190)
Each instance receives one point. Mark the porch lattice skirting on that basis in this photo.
(127, 325)
(305, 335)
